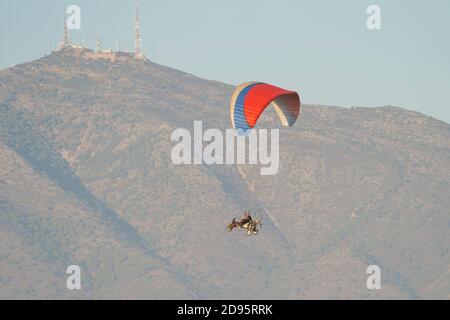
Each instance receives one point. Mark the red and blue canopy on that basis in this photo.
(250, 99)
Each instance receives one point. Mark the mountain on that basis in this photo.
(86, 178)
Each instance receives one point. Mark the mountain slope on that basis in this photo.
(86, 178)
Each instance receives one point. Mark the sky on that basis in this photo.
(320, 48)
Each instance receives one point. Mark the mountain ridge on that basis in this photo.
(361, 185)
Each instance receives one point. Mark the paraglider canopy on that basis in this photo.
(250, 99)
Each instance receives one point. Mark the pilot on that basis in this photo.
(246, 219)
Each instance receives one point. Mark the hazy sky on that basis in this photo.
(321, 48)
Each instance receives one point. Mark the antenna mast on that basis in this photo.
(65, 42)
(137, 36)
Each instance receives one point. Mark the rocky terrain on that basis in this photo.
(86, 178)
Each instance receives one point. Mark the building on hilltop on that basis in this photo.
(99, 52)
